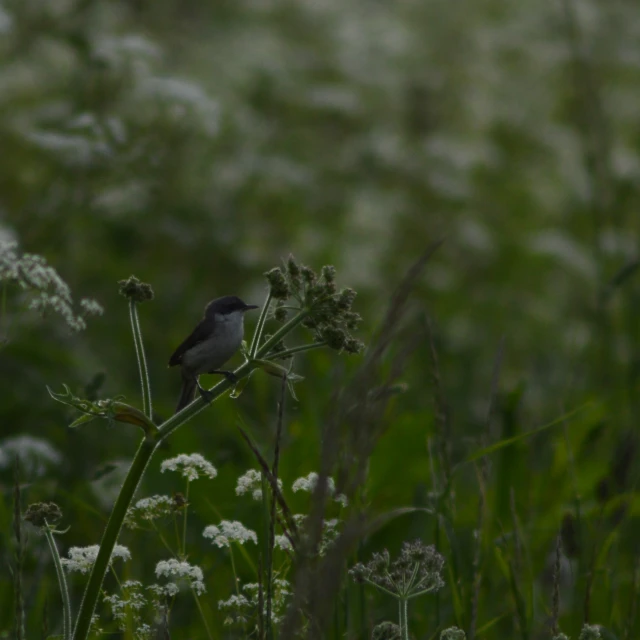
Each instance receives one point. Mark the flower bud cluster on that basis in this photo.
(415, 571)
(40, 514)
(135, 289)
(330, 316)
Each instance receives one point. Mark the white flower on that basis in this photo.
(342, 500)
(82, 558)
(179, 571)
(190, 466)
(32, 273)
(282, 542)
(229, 532)
(35, 454)
(251, 482)
(233, 601)
(309, 483)
(149, 509)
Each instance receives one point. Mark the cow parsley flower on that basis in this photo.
(82, 558)
(179, 571)
(190, 466)
(228, 532)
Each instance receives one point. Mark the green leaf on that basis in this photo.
(501, 444)
(87, 417)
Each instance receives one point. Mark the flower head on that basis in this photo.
(135, 290)
(152, 508)
(251, 482)
(178, 571)
(386, 631)
(32, 273)
(329, 311)
(228, 532)
(190, 466)
(81, 559)
(590, 632)
(42, 514)
(414, 572)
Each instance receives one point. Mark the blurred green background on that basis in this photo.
(196, 144)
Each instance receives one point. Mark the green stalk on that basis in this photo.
(404, 622)
(281, 355)
(281, 333)
(268, 575)
(62, 583)
(142, 360)
(184, 521)
(110, 536)
(202, 616)
(257, 335)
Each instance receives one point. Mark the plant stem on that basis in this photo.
(184, 521)
(257, 335)
(281, 355)
(404, 622)
(110, 536)
(142, 360)
(204, 619)
(62, 583)
(278, 335)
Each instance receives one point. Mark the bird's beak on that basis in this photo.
(248, 307)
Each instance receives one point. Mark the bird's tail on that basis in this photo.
(187, 392)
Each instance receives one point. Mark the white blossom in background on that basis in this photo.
(129, 605)
(148, 509)
(35, 454)
(50, 292)
(251, 482)
(190, 466)
(238, 608)
(228, 532)
(82, 558)
(178, 571)
(309, 483)
(282, 542)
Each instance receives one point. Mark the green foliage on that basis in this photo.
(196, 145)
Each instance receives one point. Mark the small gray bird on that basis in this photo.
(214, 340)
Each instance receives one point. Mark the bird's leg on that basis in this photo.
(207, 395)
(229, 375)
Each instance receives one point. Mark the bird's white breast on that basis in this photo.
(216, 350)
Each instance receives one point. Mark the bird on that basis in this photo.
(214, 340)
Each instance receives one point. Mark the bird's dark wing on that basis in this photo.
(199, 334)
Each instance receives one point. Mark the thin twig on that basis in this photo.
(555, 602)
(272, 520)
(273, 482)
(17, 530)
(477, 575)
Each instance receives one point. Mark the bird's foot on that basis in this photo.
(229, 375)
(206, 395)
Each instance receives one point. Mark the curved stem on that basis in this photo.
(110, 536)
(204, 618)
(281, 355)
(281, 333)
(62, 583)
(142, 361)
(257, 335)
